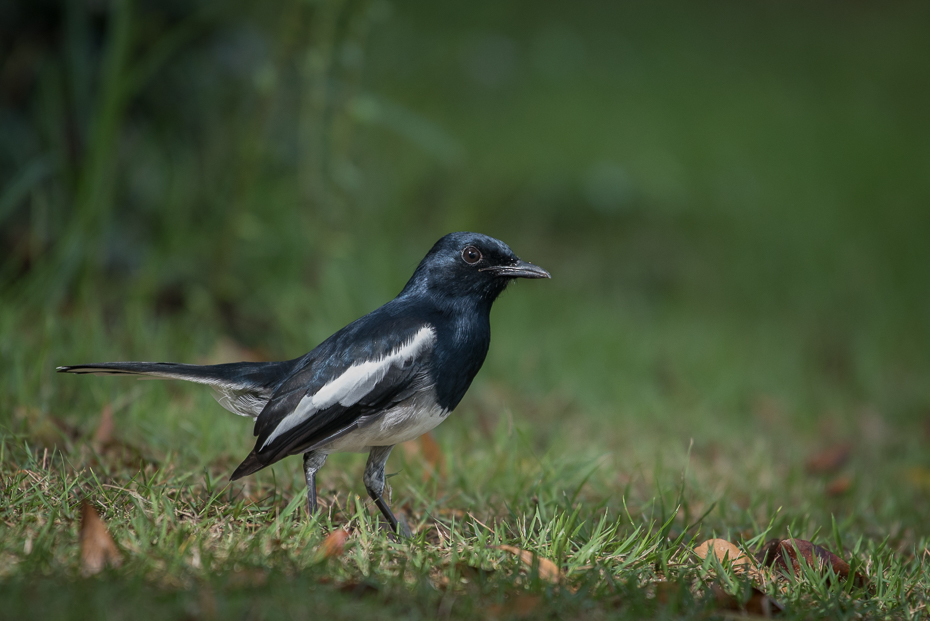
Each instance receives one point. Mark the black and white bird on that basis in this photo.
(386, 378)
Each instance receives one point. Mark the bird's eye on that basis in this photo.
(471, 255)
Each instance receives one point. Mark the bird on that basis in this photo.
(386, 378)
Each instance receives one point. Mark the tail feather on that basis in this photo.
(202, 374)
(248, 466)
(241, 387)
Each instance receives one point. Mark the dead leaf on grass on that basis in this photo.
(427, 449)
(433, 455)
(780, 552)
(839, 486)
(722, 549)
(334, 544)
(516, 607)
(759, 604)
(103, 435)
(548, 570)
(828, 460)
(115, 451)
(667, 591)
(97, 546)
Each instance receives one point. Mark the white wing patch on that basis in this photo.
(356, 382)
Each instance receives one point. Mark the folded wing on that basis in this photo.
(350, 378)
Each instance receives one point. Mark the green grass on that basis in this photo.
(731, 200)
(195, 545)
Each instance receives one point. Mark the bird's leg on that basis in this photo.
(374, 483)
(313, 461)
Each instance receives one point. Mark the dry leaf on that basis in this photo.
(775, 553)
(666, 591)
(426, 448)
(433, 456)
(758, 604)
(103, 435)
(828, 460)
(722, 549)
(411, 449)
(97, 547)
(548, 570)
(839, 486)
(517, 606)
(334, 544)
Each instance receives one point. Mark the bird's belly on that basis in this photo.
(406, 421)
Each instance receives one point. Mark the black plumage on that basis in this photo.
(387, 377)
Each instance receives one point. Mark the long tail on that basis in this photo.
(241, 387)
(249, 466)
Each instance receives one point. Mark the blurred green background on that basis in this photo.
(733, 199)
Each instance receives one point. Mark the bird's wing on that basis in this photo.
(360, 371)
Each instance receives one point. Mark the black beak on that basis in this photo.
(520, 269)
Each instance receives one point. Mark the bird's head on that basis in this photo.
(470, 265)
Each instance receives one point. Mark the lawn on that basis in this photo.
(732, 202)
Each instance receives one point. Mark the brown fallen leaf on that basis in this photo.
(780, 552)
(334, 544)
(667, 591)
(103, 434)
(828, 460)
(97, 547)
(758, 604)
(722, 549)
(839, 486)
(516, 607)
(426, 449)
(433, 455)
(411, 449)
(548, 570)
